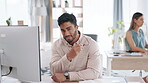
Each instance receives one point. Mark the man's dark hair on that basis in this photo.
(66, 17)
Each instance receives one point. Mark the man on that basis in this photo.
(75, 56)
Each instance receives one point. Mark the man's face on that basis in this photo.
(69, 31)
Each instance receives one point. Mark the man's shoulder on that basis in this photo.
(90, 38)
(56, 44)
(58, 41)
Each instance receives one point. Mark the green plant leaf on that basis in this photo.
(9, 18)
(8, 23)
(120, 40)
(112, 30)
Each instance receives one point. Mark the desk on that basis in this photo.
(126, 62)
(105, 79)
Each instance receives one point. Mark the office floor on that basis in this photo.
(45, 59)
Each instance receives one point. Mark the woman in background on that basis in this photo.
(135, 39)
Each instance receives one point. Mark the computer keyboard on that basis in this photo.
(133, 54)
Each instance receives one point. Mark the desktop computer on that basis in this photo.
(20, 52)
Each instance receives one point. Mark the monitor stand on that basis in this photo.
(1, 53)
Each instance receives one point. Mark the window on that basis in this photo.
(16, 9)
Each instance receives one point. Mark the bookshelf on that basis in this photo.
(61, 6)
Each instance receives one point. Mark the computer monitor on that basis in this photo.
(145, 30)
(21, 51)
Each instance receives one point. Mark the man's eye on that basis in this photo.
(68, 29)
(62, 31)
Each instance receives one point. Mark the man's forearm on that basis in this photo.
(87, 74)
(60, 65)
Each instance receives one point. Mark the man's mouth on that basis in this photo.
(68, 37)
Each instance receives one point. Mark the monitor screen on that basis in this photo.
(21, 52)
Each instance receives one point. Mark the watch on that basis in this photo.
(66, 75)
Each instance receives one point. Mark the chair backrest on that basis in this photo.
(93, 36)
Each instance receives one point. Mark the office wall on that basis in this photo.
(97, 17)
(16, 9)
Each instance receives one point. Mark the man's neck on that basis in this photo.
(76, 39)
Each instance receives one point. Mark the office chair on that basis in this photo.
(93, 36)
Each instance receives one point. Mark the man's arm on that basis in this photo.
(93, 71)
(94, 66)
(60, 63)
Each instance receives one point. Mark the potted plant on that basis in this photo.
(8, 21)
(118, 33)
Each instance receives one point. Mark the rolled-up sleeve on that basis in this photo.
(58, 63)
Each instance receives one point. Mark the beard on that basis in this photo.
(71, 37)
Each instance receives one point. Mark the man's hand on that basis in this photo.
(58, 77)
(75, 50)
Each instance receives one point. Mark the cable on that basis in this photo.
(10, 69)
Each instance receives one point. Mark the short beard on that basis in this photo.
(73, 37)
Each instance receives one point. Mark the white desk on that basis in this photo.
(106, 79)
(126, 62)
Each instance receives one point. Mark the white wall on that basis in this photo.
(132, 6)
(98, 16)
(16, 9)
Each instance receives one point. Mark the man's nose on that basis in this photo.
(67, 33)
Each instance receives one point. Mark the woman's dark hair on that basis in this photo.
(135, 16)
(66, 17)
